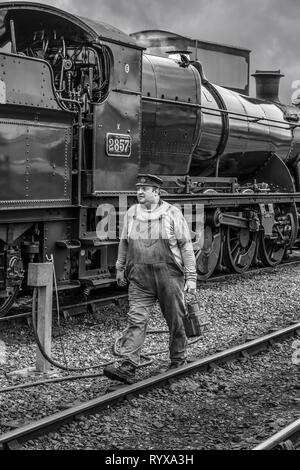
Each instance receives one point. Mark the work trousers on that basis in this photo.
(153, 275)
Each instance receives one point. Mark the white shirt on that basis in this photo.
(174, 226)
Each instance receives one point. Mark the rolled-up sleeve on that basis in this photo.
(123, 246)
(183, 237)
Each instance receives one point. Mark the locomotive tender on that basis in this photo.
(84, 109)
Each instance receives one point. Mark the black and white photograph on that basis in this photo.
(149, 228)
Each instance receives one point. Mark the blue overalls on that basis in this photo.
(153, 274)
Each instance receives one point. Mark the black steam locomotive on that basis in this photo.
(84, 109)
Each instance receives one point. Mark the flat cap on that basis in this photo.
(149, 180)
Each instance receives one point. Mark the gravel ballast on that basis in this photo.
(238, 310)
(234, 407)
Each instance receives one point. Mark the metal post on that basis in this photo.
(40, 275)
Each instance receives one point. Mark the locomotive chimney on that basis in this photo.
(267, 84)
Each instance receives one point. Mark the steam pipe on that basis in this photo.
(297, 174)
(225, 111)
(13, 37)
(80, 146)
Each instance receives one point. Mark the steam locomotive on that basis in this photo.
(84, 110)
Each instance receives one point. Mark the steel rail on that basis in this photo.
(43, 426)
(263, 269)
(15, 317)
(103, 300)
(289, 433)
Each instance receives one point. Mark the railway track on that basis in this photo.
(76, 308)
(12, 439)
(287, 438)
(115, 296)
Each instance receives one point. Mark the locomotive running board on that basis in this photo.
(97, 282)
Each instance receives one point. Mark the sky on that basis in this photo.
(269, 28)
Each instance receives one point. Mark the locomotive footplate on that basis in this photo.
(96, 242)
(232, 200)
(97, 281)
(93, 260)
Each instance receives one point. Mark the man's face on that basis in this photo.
(146, 194)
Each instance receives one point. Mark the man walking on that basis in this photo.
(156, 253)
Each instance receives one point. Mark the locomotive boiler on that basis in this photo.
(84, 109)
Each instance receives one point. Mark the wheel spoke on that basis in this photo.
(236, 256)
(235, 247)
(239, 249)
(272, 251)
(207, 259)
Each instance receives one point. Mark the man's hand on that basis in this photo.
(190, 287)
(120, 278)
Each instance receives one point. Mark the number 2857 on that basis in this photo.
(118, 145)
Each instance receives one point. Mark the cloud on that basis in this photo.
(268, 27)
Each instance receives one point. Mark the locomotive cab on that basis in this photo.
(69, 130)
(96, 74)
